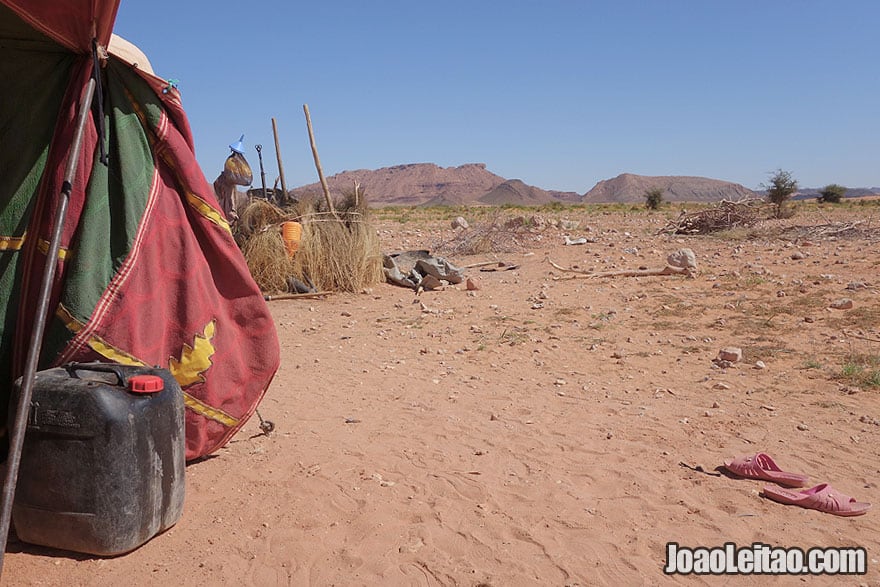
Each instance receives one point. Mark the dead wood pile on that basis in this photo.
(832, 230)
(725, 216)
(497, 235)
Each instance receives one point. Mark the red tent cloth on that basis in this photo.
(72, 23)
(148, 272)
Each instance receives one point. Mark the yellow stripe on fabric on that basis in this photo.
(118, 356)
(114, 354)
(208, 412)
(11, 243)
(43, 245)
(71, 323)
(199, 205)
(208, 211)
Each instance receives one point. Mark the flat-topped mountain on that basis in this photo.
(429, 184)
(414, 184)
(628, 187)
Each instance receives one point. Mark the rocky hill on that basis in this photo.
(629, 187)
(414, 184)
(515, 191)
(429, 184)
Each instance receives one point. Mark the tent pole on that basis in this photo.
(27, 385)
(280, 165)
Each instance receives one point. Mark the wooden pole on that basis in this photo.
(298, 296)
(324, 185)
(280, 165)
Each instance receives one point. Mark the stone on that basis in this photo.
(842, 304)
(683, 258)
(731, 354)
(459, 222)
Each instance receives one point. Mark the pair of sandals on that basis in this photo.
(822, 497)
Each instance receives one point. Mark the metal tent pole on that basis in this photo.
(27, 385)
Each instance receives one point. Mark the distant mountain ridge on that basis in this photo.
(628, 187)
(808, 193)
(427, 184)
(471, 184)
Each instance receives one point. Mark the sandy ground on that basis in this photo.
(539, 431)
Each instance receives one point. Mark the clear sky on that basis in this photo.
(560, 94)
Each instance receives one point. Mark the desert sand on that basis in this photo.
(541, 431)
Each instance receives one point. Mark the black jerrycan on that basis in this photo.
(102, 465)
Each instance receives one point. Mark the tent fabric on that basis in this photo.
(148, 271)
(71, 23)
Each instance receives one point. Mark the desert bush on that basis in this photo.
(832, 193)
(780, 189)
(653, 198)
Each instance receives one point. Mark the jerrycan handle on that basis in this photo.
(72, 369)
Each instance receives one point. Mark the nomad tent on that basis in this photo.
(147, 272)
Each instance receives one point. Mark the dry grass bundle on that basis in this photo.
(256, 216)
(497, 235)
(725, 216)
(267, 259)
(259, 235)
(338, 255)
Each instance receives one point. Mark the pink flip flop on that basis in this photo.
(761, 466)
(821, 497)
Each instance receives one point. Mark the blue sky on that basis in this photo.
(559, 94)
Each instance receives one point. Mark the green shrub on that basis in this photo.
(780, 189)
(653, 198)
(832, 193)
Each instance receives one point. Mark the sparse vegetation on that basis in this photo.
(832, 193)
(812, 363)
(653, 198)
(779, 191)
(862, 370)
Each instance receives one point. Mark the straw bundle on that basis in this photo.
(267, 259)
(338, 254)
(256, 216)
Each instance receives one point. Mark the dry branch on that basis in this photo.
(298, 296)
(668, 270)
(681, 262)
(838, 230)
(497, 235)
(725, 216)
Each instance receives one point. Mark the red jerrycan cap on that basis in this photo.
(145, 384)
